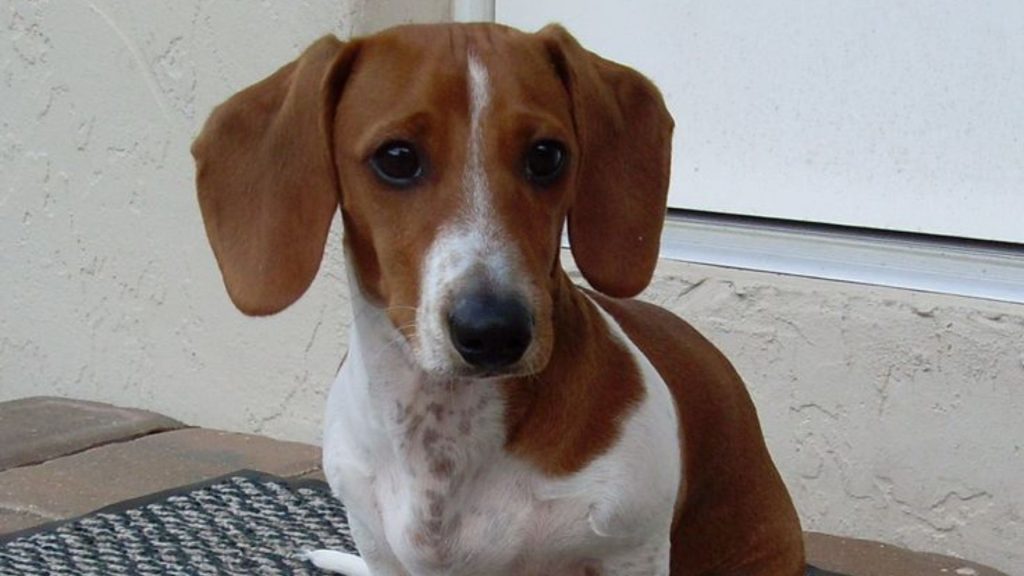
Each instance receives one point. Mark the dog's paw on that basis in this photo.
(337, 562)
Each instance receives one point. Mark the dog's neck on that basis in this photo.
(559, 418)
(571, 412)
(413, 409)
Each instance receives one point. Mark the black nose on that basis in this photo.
(490, 331)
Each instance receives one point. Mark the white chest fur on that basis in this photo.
(430, 489)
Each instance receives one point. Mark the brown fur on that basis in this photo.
(266, 184)
(571, 413)
(625, 134)
(735, 517)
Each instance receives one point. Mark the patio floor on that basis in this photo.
(62, 458)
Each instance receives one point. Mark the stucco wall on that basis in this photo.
(892, 414)
(109, 289)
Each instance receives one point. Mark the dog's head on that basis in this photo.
(455, 152)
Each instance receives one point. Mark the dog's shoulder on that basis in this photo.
(677, 350)
(722, 439)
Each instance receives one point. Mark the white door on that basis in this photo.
(891, 114)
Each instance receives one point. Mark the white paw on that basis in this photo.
(337, 562)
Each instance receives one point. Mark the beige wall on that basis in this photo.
(892, 414)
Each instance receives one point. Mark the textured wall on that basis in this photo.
(892, 414)
(109, 289)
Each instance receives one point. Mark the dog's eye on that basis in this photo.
(397, 163)
(544, 161)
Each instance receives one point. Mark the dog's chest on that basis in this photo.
(431, 489)
(456, 503)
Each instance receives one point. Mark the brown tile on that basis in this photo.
(14, 520)
(856, 557)
(38, 429)
(83, 482)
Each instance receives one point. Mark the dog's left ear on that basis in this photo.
(625, 141)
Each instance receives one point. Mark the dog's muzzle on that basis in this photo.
(490, 331)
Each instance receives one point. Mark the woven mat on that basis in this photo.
(245, 523)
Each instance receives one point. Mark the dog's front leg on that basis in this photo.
(376, 560)
(374, 564)
(338, 562)
(349, 564)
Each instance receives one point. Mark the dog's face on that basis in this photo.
(456, 153)
(456, 169)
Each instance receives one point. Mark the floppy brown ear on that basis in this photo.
(266, 178)
(625, 141)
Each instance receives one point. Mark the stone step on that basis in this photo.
(64, 458)
(41, 428)
(857, 557)
(73, 485)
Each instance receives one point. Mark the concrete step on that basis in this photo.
(63, 458)
(73, 485)
(858, 557)
(41, 428)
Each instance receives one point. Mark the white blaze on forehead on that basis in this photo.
(475, 177)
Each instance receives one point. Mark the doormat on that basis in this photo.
(246, 523)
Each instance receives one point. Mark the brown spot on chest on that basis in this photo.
(563, 418)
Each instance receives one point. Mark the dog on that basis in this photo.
(491, 417)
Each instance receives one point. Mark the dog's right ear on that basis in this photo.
(266, 178)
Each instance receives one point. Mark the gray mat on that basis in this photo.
(245, 523)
